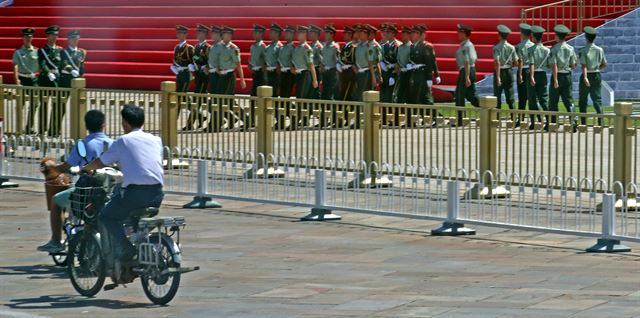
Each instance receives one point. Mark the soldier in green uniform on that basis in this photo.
(182, 57)
(466, 58)
(523, 68)
(316, 45)
(257, 65)
(25, 72)
(593, 60)
(347, 75)
(198, 66)
(50, 59)
(504, 59)
(368, 56)
(537, 56)
(229, 64)
(215, 121)
(390, 47)
(403, 59)
(330, 53)
(271, 53)
(287, 77)
(72, 66)
(424, 69)
(562, 59)
(306, 80)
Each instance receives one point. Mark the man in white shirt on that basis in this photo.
(139, 156)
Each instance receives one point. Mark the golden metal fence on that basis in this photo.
(111, 101)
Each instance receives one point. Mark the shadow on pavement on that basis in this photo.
(62, 302)
(37, 271)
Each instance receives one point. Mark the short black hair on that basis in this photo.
(94, 120)
(133, 115)
(503, 36)
(537, 36)
(590, 37)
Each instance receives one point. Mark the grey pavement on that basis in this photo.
(257, 260)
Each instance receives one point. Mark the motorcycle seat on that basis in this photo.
(144, 213)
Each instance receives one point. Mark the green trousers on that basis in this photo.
(329, 84)
(538, 94)
(595, 91)
(564, 91)
(506, 79)
(463, 92)
(273, 80)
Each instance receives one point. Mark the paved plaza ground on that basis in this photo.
(258, 260)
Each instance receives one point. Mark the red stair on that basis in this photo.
(130, 42)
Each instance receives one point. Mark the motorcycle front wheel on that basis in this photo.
(85, 264)
(160, 283)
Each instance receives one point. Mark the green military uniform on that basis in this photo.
(504, 54)
(287, 78)
(347, 77)
(330, 53)
(182, 57)
(212, 61)
(271, 53)
(538, 56)
(50, 60)
(317, 47)
(26, 58)
(522, 49)
(257, 61)
(403, 82)
(466, 53)
(228, 59)
(592, 57)
(301, 59)
(564, 57)
(363, 77)
(388, 66)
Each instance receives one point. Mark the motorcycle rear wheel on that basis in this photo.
(161, 288)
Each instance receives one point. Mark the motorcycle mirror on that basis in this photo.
(82, 150)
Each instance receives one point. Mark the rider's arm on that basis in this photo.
(63, 167)
(93, 165)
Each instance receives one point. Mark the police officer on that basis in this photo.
(523, 68)
(466, 58)
(403, 59)
(72, 66)
(25, 71)
(562, 59)
(390, 47)
(271, 53)
(49, 58)
(182, 57)
(213, 58)
(287, 78)
(538, 56)
(504, 59)
(424, 69)
(314, 41)
(593, 60)
(347, 75)
(306, 80)
(198, 66)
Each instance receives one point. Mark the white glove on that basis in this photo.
(409, 67)
(203, 67)
(192, 68)
(383, 66)
(74, 170)
(52, 77)
(391, 81)
(438, 80)
(75, 73)
(430, 83)
(339, 67)
(174, 69)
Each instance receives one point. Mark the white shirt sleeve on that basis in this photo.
(113, 154)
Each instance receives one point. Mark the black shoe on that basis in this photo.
(532, 126)
(187, 128)
(546, 127)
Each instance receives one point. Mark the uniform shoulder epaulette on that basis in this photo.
(307, 46)
(427, 43)
(320, 45)
(233, 45)
(263, 44)
(279, 44)
(335, 45)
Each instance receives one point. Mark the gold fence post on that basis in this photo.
(488, 153)
(168, 115)
(622, 151)
(264, 135)
(371, 141)
(78, 108)
(2, 113)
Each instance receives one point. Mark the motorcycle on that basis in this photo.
(90, 253)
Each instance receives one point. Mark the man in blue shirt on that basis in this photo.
(95, 143)
(139, 156)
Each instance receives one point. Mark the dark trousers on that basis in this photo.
(273, 80)
(538, 94)
(201, 85)
(315, 91)
(304, 90)
(595, 91)
(506, 78)
(363, 84)
(347, 81)
(523, 95)
(59, 109)
(287, 81)
(33, 104)
(329, 85)
(463, 92)
(118, 209)
(43, 81)
(387, 92)
(564, 91)
(403, 88)
(259, 79)
(183, 79)
(227, 83)
(420, 91)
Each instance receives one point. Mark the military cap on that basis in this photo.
(524, 28)
(73, 34)
(464, 28)
(226, 29)
(215, 28)
(329, 28)
(537, 29)
(259, 28)
(181, 29)
(359, 27)
(561, 29)
(202, 28)
(290, 28)
(370, 28)
(389, 26)
(420, 28)
(503, 29)
(28, 32)
(591, 30)
(407, 29)
(275, 27)
(302, 28)
(314, 28)
(348, 29)
(54, 29)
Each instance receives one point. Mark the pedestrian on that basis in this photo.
(198, 66)
(466, 58)
(71, 66)
(504, 59)
(562, 60)
(257, 65)
(347, 75)
(538, 56)
(306, 80)
(424, 70)
(330, 53)
(593, 60)
(388, 63)
(25, 73)
(213, 60)
(49, 59)
(271, 53)
(523, 68)
(403, 59)
(316, 46)
(182, 57)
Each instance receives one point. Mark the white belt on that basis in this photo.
(506, 67)
(271, 68)
(346, 66)
(417, 66)
(256, 68)
(362, 70)
(223, 72)
(31, 75)
(391, 66)
(525, 67)
(212, 69)
(300, 70)
(181, 68)
(65, 72)
(285, 69)
(564, 72)
(540, 71)
(592, 72)
(326, 68)
(470, 66)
